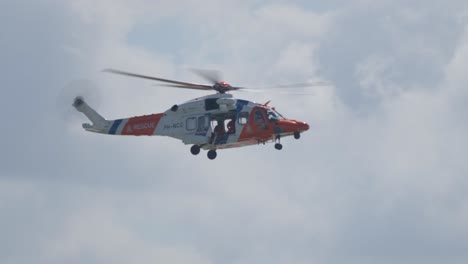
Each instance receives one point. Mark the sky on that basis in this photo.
(380, 177)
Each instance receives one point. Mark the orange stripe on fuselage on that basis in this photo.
(142, 125)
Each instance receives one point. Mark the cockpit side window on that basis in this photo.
(272, 116)
(258, 117)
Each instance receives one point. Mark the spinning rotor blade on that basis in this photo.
(76, 88)
(297, 85)
(219, 86)
(285, 88)
(236, 88)
(185, 86)
(277, 91)
(230, 88)
(176, 83)
(212, 76)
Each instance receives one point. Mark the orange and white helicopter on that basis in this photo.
(212, 122)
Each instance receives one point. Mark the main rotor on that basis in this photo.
(212, 76)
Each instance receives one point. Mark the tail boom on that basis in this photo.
(137, 126)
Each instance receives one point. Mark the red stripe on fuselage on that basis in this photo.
(142, 125)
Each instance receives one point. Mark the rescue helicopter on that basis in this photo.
(212, 122)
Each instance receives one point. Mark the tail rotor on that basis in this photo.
(74, 93)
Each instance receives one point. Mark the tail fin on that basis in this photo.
(100, 125)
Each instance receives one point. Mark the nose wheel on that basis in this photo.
(212, 154)
(297, 135)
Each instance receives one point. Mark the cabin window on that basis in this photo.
(191, 123)
(203, 123)
(230, 125)
(243, 118)
(258, 117)
(211, 104)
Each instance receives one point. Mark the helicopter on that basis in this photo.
(212, 122)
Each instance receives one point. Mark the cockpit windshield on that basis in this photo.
(273, 115)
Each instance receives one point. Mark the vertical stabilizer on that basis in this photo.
(99, 125)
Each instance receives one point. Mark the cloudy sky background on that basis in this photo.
(381, 177)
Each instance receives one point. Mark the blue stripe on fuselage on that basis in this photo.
(240, 104)
(114, 127)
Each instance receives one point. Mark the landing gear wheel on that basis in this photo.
(297, 135)
(278, 146)
(195, 149)
(212, 154)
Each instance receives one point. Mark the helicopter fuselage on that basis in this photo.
(211, 122)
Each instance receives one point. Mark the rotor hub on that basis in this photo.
(222, 87)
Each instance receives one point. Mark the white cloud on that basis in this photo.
(95, 233)
(288, 18)
(374, 77)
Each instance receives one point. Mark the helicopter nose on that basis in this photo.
(292, 126)
(303, 126)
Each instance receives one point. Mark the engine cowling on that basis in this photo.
(226, 103)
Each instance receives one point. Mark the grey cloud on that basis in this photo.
(414, 39)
